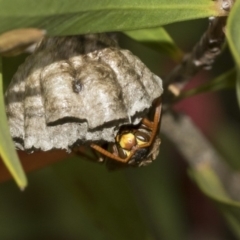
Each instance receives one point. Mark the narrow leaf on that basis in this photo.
(225, 81)
(238, 86)
(157, 39)
(233, 32)
(75, 17)
(7, 149)
(233, 36)
(210, 184)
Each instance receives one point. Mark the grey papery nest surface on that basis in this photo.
(77, 89)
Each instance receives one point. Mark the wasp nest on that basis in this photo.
(77, 89)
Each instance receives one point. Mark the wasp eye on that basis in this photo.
(142, 137)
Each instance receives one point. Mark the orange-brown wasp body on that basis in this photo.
(134, 144)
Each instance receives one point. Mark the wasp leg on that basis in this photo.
(81, 152)
(153, 126)
(110, 155)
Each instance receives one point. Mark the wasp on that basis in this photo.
(135, 145)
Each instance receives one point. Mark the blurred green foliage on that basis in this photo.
(76, 199)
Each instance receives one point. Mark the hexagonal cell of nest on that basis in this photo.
(78, 89)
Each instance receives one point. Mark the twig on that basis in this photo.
(202, 56)
(198, 151)
(187, 138)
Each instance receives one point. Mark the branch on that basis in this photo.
(198, 151)
(202, 56)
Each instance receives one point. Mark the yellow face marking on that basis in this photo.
(127, 141)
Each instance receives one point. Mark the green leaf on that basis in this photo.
(233, 37)
(225, 81)
(75, 17)
(226, 141)
(233, 32)
(7, 149)
(210, 184)
(158, 39)
(238, 86)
